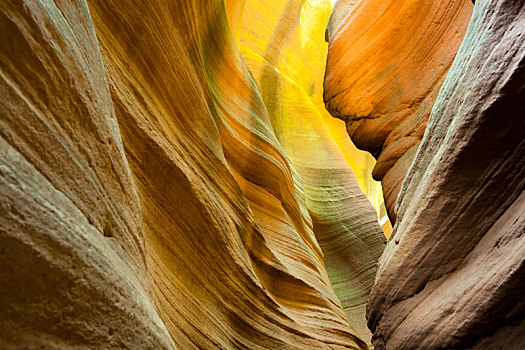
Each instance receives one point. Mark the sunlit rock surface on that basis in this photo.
(386, 63)
(283, 43)
(453, 273)
(157, 194)
(146, 201)
(285, 38)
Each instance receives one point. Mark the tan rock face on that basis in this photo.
(154, 197)
(146, 201)
(452, 275)
(386, 63)
(72, 253)
(224, 215)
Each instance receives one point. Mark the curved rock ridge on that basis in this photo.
(146, 201)
(453, 274)
(386, 63)
(72, 254)
(229, 245)
(286, 55)
(271, 36)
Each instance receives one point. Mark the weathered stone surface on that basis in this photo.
(453, 274)
(386, 63)
(146, 201)
(229, 244)
(287, 55)
(149, 200)
(72, 255)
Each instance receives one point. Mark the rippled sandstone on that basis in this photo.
(170, 178)
(386, 63)
(146, 201)
(287, 56)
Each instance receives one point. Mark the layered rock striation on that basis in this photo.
(287, 56)
(386, 63)
(147, 202)
(229, 242)
(72, 253)
(452, 274)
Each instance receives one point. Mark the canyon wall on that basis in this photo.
(72, 254)
(229, 242)
(386, 63)
(171, 179)
(146, 200)
(286, 55)
(452, 275)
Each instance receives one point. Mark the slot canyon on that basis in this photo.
(262, 174)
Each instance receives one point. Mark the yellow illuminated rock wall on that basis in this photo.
(283, 44)
(229, 240)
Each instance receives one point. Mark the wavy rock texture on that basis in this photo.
(72, 261)
(286, 55)
(256, 277)
(283, 40)
(453, 274)
(146, 171)
(386, 63)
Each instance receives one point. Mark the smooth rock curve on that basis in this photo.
(386, 63)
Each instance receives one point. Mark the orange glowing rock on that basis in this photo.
(386, 63)
(452, 277)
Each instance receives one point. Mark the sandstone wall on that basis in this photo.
(283, 44)
(73, 257)
(453, 272)
(386, 63)
(452, 275)
(146, 201)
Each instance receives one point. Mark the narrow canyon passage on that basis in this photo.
(184, 174)
(287, 57)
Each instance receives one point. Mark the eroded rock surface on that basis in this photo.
(453, 274)
(225, 217)
(386, 63)
(146, 201)
(72, 253)
(287, 56)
